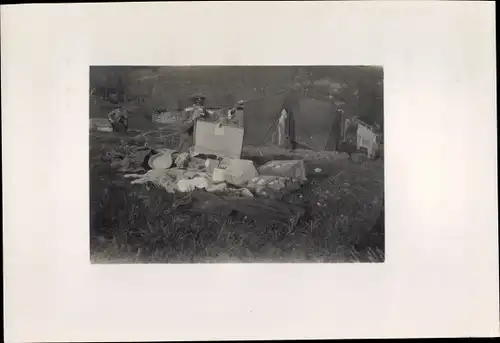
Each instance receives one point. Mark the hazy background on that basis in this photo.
(357, 89)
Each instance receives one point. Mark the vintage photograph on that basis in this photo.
(219, 164)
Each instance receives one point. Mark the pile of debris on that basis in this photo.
(185, 172)
(214, 174)
(218, 183)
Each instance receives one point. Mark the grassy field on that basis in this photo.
(137, 223)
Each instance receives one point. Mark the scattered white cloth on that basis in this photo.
(158, 177)
(238, 171)
(282, 128)
(182, 160)
(347, 123)
(189, 185)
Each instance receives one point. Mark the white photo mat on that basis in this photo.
(440, 277)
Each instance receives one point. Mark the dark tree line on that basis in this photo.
(360, 89)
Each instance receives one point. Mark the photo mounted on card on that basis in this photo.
(221, 170)
(195, 164)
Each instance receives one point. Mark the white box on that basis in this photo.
(217, 139)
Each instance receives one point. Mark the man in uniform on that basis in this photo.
(238, 114)
(118, 119)
(196, 112)
(234, 116)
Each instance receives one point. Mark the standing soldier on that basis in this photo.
(196, 112)
(238, 115)
(118, 119)
(234, 116)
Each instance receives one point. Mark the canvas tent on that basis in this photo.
(314, 124)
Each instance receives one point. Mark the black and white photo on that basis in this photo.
(195, 164)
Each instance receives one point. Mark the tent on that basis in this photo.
(314, 124)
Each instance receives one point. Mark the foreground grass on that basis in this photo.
(136, 223)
